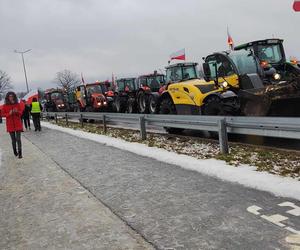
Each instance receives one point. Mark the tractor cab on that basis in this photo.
(107, 88)
(272, 58)
(180, 72)
(151, 82)
(237, 69)
(126, 85)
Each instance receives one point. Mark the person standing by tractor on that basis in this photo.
(12, 110)
(35, 109)
(26, 115)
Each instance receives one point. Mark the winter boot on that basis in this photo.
(15, 152)
(20, 154)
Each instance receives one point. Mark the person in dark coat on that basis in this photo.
(36, 109)
(12, 110)
(26, 115)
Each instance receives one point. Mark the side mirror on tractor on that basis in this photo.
(206, 70)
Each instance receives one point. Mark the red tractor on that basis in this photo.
(55, 101)
(150, 88)
(108, 91)
(91, 97)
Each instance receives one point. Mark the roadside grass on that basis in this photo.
(274, 161)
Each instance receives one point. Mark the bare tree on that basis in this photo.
(67, 79)
(5, 83)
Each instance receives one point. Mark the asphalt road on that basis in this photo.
(170, 207)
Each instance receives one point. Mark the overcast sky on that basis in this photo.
(130, 37)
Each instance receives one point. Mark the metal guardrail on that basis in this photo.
(261, 126)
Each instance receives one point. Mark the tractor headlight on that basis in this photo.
(104, 103)
(192, 95)
(224, 84)
(277, 76)
(99, 103)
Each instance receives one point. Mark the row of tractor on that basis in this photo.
(253, 79)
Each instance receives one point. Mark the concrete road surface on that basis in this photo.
(168, 206)
(43, 207)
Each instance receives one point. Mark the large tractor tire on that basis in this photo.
(120, 107)
(131, 106)
(167, 107)
(214, 106)
(143, 105)
(153, 107)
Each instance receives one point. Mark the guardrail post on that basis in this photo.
(143, 132)
(67, 120)
(104, 124)
(81, 120)
(223, 137)
(55, 118)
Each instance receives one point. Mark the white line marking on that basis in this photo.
(276, 219)
(254, 210)
(295, 211)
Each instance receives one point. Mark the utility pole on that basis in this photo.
(22, 54)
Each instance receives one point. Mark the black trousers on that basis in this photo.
(16, 141)
(26, 121)
(36, 118)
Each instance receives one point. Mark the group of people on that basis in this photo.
(15, 113)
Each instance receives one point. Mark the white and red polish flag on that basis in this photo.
(230, 40)
(30, 95)
(178, 55)
(296, 5)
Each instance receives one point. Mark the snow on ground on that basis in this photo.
(244, 175)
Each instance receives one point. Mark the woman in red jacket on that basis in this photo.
(12, 110)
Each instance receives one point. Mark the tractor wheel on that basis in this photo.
(168, 108)
(131, 106)
(118, 105)
(153, 105)
(142, 103)
(214, 106)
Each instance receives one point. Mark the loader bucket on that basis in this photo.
(282, 99)
(254, 102)
(286, 99)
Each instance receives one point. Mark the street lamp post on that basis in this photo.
(22, 54)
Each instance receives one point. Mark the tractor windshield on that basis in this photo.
(57, 96)
(159, 79)
(245, 62)
(130, 83)
(189, 72)
(104, 88)
(270, 53)
(94, 89)
(182, 73)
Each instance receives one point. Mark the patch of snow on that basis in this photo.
(244, 175)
